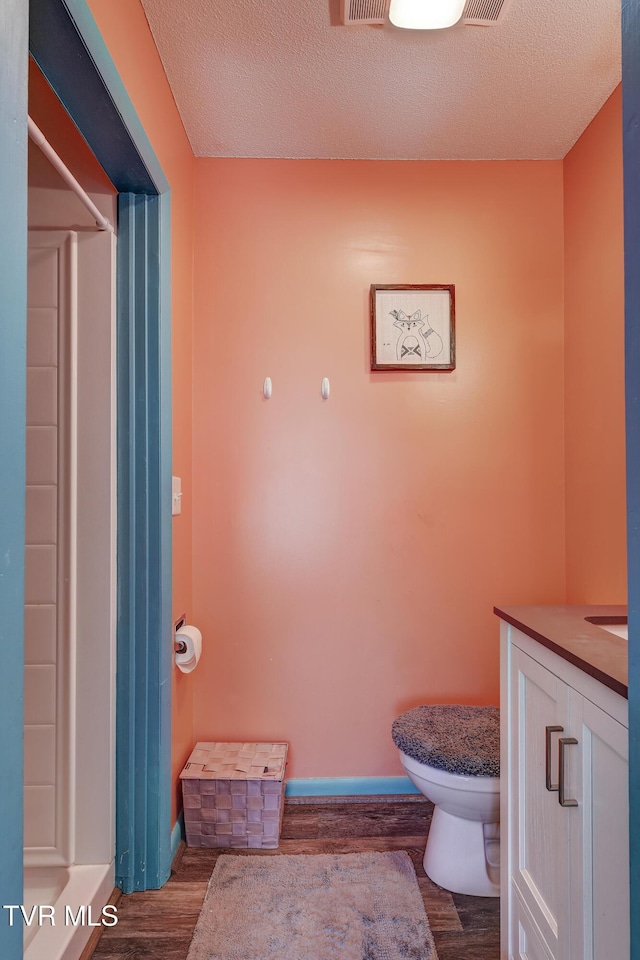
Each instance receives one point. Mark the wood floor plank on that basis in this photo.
(173, 900)
(477, 913)
(303, 825)
(440, 906)
(376, 844)
(156, 948)
(373, 820)
(468, 945)
(141, 928)
(196, 865)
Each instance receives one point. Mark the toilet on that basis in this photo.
(451, 753)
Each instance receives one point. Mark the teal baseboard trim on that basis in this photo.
(349, 787)
(177, 835)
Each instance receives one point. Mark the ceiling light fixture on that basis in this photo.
(425, 14)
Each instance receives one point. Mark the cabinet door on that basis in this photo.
(599, 833)
(539, 855)
(526, 942)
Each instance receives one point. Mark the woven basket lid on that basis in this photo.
(236, 761)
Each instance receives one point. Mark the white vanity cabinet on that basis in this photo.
(564, 808)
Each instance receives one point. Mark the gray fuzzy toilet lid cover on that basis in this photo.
(451, 737)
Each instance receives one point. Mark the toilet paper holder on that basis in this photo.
(179, 646)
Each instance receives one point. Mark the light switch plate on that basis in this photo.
(176, 496)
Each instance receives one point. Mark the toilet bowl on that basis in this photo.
(463, 846)
(451, 753)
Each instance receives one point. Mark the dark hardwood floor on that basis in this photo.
(158, 924)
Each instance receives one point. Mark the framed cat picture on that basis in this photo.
(413, 327)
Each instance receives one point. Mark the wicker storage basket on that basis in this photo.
(233, 794)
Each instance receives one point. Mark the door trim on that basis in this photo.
(13, 371)
(68, 47)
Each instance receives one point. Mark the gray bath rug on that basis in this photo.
(356, 906)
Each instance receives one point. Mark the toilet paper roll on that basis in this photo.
(192, 638)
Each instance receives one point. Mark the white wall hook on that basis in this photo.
(326, 388)
(266, 389)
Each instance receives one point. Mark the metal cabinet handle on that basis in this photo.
(564, 801)
(547, 753)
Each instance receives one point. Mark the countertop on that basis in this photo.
(587, 645)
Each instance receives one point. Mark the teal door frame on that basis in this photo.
(13, 371)
(63, 38)
(65, 42)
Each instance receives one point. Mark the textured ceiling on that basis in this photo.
(281, 78)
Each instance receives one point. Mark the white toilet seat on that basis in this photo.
(457, 781)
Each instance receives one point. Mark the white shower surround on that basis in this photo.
(77, 869)
(50, 551)
(79, 885)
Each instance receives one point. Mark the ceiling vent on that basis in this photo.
(364, 11)
(476, 13)
(483, 13)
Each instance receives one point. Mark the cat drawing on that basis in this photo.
(414, 344)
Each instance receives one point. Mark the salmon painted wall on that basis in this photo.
(594, 362)
(348, 552)
(126, 33)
